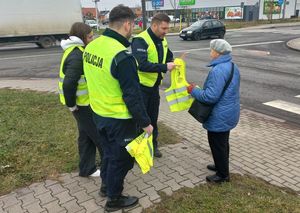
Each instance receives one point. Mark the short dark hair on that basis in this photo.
(120, 14)
(80, 30)
(160, 17)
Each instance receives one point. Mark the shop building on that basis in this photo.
(224, 9)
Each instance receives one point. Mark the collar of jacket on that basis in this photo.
(221, 59)
(153, 36)
(113, 34)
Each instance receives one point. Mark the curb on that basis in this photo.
(294, 44)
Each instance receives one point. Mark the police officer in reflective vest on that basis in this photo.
(116, 100)
(74, 94)
(150, 48)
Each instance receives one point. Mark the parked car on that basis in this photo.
(137, 20)
(203, 29)
(92, 23)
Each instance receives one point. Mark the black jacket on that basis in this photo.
(139, 50)
(73, 69)
(124, 69)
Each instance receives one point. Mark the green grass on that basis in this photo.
(242, 194)
(38, 138)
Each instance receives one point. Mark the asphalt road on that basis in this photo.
(269, 70)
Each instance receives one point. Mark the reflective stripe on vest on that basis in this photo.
(177, 95)
(104, 90)
(82, 97)
(149, 78)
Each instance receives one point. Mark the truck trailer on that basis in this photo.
(42, 22)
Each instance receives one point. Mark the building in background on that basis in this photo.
(89, 13)
(221, 9)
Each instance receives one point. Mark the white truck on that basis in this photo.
(38, 21)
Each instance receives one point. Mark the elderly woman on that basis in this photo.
(226, 101)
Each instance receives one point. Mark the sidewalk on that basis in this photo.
(294, 44)
(262, 146)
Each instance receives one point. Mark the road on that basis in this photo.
(270, 72)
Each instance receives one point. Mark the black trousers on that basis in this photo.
(219, 145)
(88, 141)
(115, 134)
(151, 100)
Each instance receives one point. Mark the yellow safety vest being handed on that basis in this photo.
(82, 96)
(177, 96)
(141, 148)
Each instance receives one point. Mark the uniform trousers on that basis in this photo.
(88, 141)
(151, 100)
(219, 145)
(115, 134)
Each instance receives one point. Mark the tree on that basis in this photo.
(144, 14)
(174, 4)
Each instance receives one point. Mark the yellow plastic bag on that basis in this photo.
(141, 148)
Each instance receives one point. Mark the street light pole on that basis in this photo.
(96, 8)
(144, 14)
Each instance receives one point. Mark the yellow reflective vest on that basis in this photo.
(149, 78)
(104, 90)
(82, 97)
(177, 96)
(141, 148)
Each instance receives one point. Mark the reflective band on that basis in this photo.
(171, 92)
(82, 92)
(80, 81)
(78, 93)
(179, 100)
(150, 149)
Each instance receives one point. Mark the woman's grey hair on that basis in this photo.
(221, 46)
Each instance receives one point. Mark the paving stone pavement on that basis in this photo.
(261, 145)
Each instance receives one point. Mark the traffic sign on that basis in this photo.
(280, 2)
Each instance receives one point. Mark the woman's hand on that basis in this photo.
(190, 87)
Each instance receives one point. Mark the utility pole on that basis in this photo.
(144, 14)
(96, 8)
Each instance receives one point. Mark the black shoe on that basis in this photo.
(121, 202)
(216, 179)
(102, 191)
(211, 167)
(157, 153)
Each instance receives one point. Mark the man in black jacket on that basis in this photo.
(150, 48)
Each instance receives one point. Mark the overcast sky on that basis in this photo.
(108, 4)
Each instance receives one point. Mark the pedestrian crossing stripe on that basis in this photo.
(283, 105)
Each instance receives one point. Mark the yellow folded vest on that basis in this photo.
(177, 96)
(141, 148)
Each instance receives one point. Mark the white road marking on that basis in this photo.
(298, 96)
(189, 50)
(283, 105)
(237, 45)
(29, 56)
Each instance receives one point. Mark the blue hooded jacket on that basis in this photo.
(226, 112)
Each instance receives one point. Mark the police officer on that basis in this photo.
(116, 100)
(150, 48)
(74, 94)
